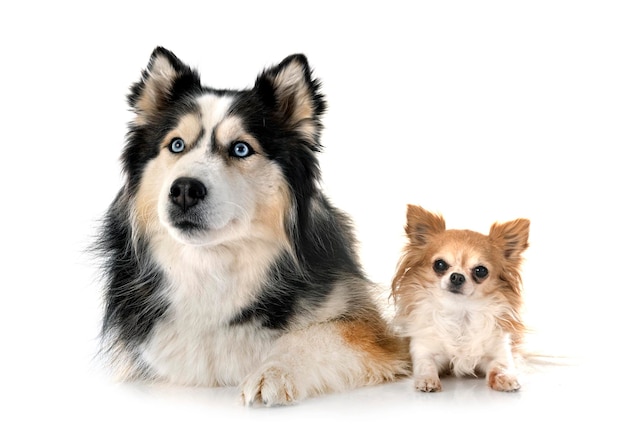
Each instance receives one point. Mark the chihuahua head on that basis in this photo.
(461, 262)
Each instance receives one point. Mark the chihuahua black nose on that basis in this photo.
(457, 279)
(187, 192)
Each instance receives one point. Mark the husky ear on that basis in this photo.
(293, 96)
(164, 78)
(512, 237)
(421, 224)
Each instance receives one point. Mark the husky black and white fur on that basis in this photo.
(224, 263)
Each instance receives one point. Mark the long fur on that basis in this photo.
(224, 262)
(458, 298)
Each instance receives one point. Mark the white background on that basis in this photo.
(482, 111)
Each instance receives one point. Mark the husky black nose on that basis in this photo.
(457, 279)
(186, 192)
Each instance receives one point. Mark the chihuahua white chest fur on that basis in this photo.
(458, 333)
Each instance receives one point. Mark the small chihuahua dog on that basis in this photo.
(458, 299)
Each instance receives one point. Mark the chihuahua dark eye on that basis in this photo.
(241, 150)
(480, 273)
(177, 145)
(440, 266)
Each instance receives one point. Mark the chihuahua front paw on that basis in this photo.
(502, 382)
(427, 383)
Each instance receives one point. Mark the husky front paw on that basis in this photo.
(427, 383)
(502, 382)
(272, 386)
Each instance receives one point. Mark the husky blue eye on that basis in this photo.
(241, 150)
(177, 145)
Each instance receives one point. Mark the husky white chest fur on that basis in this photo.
(197, 344)
(224, 262)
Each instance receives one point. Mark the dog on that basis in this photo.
(458, 299)
(224, 263)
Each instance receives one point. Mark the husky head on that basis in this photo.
(208, 166)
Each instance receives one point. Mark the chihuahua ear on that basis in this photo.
(512, 237)
(165, 78)
(293, 96)
(421, 224)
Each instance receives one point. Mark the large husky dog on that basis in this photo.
(224, 262)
